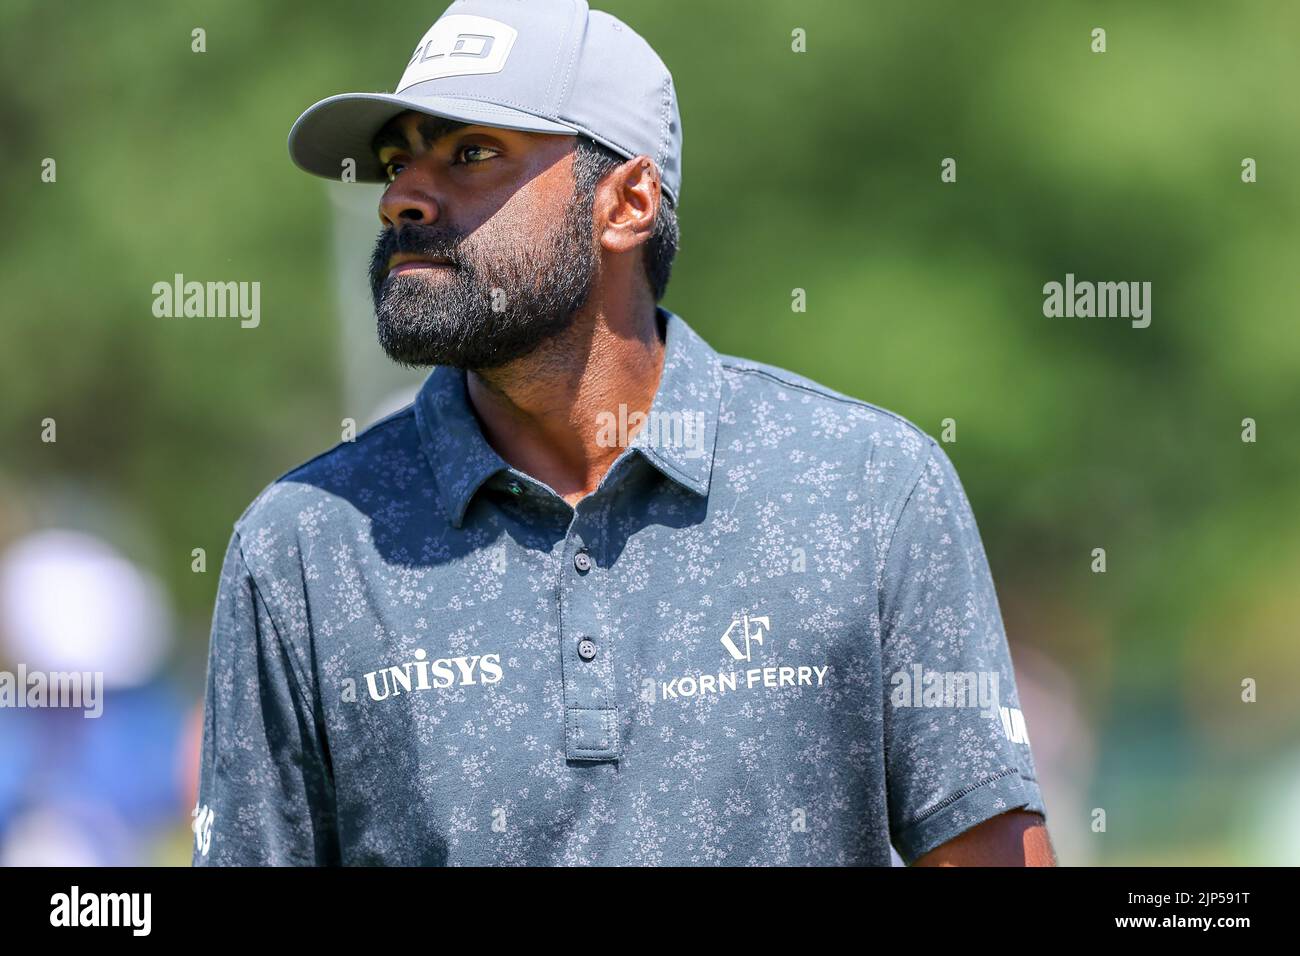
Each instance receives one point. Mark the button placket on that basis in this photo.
(591, 725)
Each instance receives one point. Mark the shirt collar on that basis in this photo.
(677, 439)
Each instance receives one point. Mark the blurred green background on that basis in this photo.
(815, 170)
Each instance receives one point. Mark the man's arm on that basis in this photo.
(957, 757)
(1017, 838)
(265, 790)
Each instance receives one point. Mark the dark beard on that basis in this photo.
(537, 289)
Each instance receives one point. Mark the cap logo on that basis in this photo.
(459, 45)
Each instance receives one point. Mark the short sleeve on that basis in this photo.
(265, 794)
(956, 746)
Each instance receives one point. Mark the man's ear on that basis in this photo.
(629, 197)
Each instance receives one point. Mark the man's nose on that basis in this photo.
(407, 201)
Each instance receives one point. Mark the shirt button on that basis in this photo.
(586, 648)
(582, 561)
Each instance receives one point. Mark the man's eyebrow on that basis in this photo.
(432, 129)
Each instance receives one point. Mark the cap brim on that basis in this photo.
(343, 127)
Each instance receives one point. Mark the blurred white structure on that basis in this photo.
(370, 378)
(1271, 815)
(68, 835)
(1064, 750)
(393, 402)
(71, 602)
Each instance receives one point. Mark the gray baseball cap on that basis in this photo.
(548, 66)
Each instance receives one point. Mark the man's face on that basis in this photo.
(485, 251)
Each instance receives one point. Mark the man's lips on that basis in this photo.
(405, 263)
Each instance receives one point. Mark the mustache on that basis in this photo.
(433, 241)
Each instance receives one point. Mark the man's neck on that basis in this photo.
(540, 412)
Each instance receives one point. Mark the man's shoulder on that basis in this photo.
(355, 474)
(822, 412)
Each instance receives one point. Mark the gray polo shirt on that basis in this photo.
(769, 637)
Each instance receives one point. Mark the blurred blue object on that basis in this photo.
(114, 780)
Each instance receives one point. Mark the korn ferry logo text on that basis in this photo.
(740, 638)
(423, 674)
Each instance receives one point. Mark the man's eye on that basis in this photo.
(465, 156)
(482, 149)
